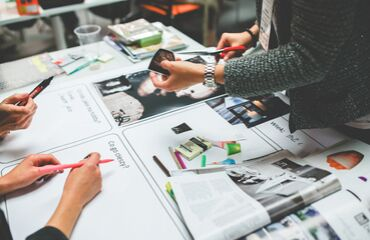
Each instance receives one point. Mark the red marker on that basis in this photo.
(37, 90)
(53, 168)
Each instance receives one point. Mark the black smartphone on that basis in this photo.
(159, 56)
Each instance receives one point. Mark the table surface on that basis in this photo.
(9, 13)
(118, 65)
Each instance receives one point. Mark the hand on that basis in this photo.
(81, 186)
(182, 75)
(14, 117)
(26, 172)
(232, 40)
(83, 183)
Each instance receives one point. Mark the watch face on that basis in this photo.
(210, 84)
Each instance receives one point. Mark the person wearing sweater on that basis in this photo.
(318, 50)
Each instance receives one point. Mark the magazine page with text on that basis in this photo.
(242, 198)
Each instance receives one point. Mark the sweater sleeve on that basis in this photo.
(319, 30)
(47, 233)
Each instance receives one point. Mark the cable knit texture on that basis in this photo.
(320, 53)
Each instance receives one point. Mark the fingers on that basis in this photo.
(93, 159)
(16, 98)
(29, 109)
(39, 160)
(157, 82)
(167, 65)
(223, 41)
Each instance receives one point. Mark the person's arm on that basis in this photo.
(319, 31)
(48, 233)
(81, 186)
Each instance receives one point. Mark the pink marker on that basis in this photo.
(179, 159)
(53, 168)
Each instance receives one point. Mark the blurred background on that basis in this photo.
(52, 28)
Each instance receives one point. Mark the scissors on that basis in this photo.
(217, 53)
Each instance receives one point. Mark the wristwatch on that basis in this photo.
(209, 76)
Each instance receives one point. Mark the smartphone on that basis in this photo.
(159, 56)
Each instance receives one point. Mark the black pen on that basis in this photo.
(161, 166)
(37, 90)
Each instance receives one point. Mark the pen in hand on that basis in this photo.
(53, 168)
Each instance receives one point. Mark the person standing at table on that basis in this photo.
(81, 186)
(318, 50)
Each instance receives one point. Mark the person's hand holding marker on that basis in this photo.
(81, 186)
(27, 172)
(14, 117)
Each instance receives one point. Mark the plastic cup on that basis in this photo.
(87, 34)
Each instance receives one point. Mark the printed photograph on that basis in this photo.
(133, 97)
(305, 224)
(279, 181)
(250, 112)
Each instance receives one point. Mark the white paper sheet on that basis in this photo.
(127, 208)
(64, 116)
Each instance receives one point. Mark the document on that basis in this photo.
(127, 208)
(64, 116)
(233, 202)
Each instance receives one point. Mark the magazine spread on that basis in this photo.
(245, 197)
(340, 216)
(343, 215)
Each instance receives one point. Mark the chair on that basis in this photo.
(169, 8)
(114, 11)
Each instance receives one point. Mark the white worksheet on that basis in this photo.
(64, 116)
(153, 137)
(127, 208)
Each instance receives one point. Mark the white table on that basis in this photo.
(118, 64)
(9, 14)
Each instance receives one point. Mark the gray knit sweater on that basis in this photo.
(321, 54)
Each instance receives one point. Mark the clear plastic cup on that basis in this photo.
(88, 34)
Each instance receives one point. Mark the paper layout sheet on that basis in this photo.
(65, 115)
(127, 208)
(350, 162)
(72, 120)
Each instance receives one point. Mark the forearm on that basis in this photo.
(6, 185)
(65, 216)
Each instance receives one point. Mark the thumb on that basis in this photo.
(93, 159)
(16, 98)
(166, 65)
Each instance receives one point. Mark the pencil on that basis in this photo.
(161, 166)
(174, 157)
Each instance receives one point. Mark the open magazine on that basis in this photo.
(239, 199)
(343, 215)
